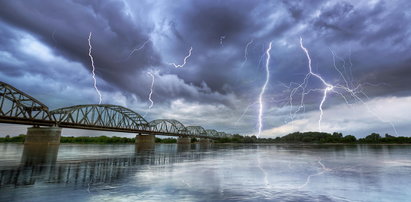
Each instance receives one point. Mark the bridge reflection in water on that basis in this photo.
(39, 164)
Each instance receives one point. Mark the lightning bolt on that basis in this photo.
(151, 92)
(187, 184)
(341, 90)
(245, 111)
(93, 71)
(246, 52)
(266, 182)
(328, 87)
(184, 61)
(138, 49)
(260, 98)
(323, 170)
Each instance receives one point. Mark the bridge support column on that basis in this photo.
(204, 141)
(35, 154)
(145, 142)
(184, 140)
(145, 139)
(43, 135)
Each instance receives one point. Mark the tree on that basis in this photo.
(373, 138)
(349, 139)
(388, 136)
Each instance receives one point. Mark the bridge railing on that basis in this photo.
(99, 116)
(19, 107)
(197, 131)
(167, 126)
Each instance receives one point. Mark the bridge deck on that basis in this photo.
(17, 107)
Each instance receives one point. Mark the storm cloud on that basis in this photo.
(44, 51)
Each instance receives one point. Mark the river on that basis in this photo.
(226, 172)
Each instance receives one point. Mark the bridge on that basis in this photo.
(17, 107)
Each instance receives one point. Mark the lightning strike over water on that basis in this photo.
(341, 90)
(260, 98)
(328, 87)
(184, 61)
(93, 71)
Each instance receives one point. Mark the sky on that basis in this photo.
(361, 48)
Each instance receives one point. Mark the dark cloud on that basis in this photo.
(393, 78)
(373, 36)
(204, 22)
(299, 9)
(66, 32)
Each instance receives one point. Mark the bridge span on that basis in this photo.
(17, 107)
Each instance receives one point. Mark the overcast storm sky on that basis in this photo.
(44, 52)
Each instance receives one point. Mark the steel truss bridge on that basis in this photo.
(18, 107)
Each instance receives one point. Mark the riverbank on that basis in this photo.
(91, 140)
(319, 138)
(306, 138)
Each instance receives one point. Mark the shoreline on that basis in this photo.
(262, 143)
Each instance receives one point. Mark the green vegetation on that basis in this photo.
(166, 140)
(387, 139)
(98, 140)
(319, 138)
(316, 137)
(93, 140)
(239, 139)
(293, 138)
(19, 138)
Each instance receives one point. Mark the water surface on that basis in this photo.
(171, 172)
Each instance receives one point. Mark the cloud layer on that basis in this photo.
(44, 52)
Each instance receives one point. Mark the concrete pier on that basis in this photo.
(184, 147)
(145, 139)
(43, 135)
(184, 140)
(39, 154)
(204, 141)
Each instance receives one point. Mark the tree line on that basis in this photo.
(92, 140)
(292, 138)
(319, 138)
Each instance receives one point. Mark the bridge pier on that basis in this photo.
(145, 139)
(38, 154)
(184, 140)
(43, 135)
(204, 141)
